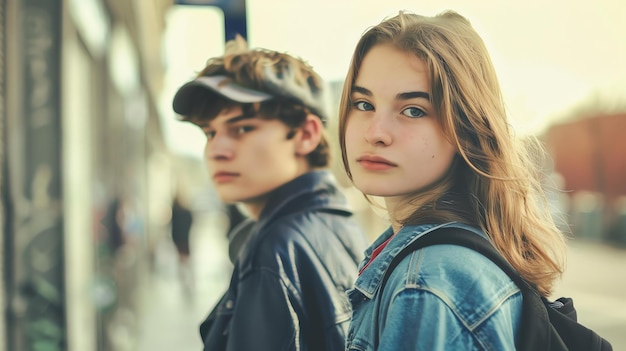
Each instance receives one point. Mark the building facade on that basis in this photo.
(81, 150)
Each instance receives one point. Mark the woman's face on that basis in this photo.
(395, 146)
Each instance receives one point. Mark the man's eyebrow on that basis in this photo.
(240, 118)
(202, 123)
(206, 123)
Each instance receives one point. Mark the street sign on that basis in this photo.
(234, 15)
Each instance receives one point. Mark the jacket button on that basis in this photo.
(229, 304)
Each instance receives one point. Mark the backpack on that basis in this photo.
(545, 325)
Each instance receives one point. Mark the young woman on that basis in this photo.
(423, 126)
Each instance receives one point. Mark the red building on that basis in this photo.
(590, 155)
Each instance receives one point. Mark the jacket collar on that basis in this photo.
(369, 280)
(310, 191)
(316, 190)
(367, 283)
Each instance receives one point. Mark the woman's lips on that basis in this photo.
(375, 163)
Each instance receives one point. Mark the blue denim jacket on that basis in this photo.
(442, 297)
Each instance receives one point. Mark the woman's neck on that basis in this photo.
(398, 209)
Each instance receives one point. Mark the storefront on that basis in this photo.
(79, 126)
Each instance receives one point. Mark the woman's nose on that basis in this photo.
(378, 131)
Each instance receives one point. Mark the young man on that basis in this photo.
(263, 113)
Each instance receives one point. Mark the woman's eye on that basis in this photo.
(413, 112)
(363, 106)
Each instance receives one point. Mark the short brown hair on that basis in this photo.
(296, 90)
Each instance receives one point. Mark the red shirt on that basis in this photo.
(375, 253)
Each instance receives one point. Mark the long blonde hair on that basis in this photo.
(494, 175)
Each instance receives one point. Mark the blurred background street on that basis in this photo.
(93, 156)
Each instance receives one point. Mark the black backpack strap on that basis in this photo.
(461, 237)
(535, 327)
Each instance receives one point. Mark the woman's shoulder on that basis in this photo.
(445, 266)
(460, 277)
(440, 265)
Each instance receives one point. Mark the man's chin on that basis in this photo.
(243, 198)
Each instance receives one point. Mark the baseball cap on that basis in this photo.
(261, 75)
(220, 84)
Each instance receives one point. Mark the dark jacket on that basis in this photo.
(287, 291)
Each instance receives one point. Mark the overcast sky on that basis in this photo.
(551, 56)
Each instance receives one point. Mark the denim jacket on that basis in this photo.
(442, 297)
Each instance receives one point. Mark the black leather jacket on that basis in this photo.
(287, 291)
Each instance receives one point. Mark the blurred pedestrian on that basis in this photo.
(181, 221)
(423, 126)
(264, 114)
(113, 222)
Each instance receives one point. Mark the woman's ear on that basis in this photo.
(309, 135)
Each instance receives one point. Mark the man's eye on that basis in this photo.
(244, 129)
(363, 106)
(413, 112)
(209, 134)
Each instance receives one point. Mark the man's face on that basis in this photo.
(248, 156)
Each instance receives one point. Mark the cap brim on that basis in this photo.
(222, 85)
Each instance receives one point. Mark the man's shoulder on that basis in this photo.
(311, 233)
(304, 226)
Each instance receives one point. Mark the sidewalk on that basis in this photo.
(169, 320)
(171, 310)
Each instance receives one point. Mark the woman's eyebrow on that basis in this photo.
(400, 96)
(364, 91)
(413, 95)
